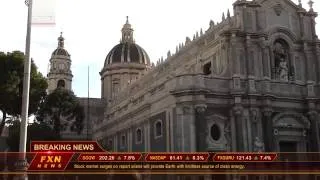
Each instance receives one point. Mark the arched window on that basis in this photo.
(282, 68)
(158, 129)
(115, 87)
(215, 132)
(123, 141)
(138, 136)
(61, 84)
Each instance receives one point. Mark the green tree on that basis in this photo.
(11, 86)
(59, 107)
(37, 131)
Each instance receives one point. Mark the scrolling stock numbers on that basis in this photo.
(200, 157)
(181, 158)
(107, 158)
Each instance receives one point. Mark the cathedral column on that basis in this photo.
(252, 64)
(185, 132)
(250, 56)
(235, 53)
(255, 119)
(318, 60)
(314, 119)
(237, 117)
(310, 70)
(265, 59)
(108, 88)
(201, 125)
(268, 130)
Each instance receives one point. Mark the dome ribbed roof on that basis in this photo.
(60, 51)
(127, 53)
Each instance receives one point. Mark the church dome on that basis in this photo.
(127, 51)
(60, 51)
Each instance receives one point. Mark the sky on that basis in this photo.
(91, 28)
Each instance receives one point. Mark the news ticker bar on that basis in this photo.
(162, 162)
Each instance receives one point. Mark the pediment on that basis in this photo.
(279, 13)
(278, 4)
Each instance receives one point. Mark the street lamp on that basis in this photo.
(22, 163)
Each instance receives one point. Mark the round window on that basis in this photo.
(215, 132)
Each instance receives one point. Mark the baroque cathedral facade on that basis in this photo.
(248, 83)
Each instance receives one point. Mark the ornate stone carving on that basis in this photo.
(304, 133)
(254, 116)
(297, 116)
(312, 115)
(219, 62)
(237, 110)
(186, 110)
(201, 108)
(258, 145)
(278, 9)
(267, 112)
(283, 70)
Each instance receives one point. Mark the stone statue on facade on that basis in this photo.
(281, 63)
(258, 145)
(283, 70)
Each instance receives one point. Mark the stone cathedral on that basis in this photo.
(248, 83)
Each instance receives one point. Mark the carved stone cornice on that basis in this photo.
(237, 110)
(267, 111)
(312, 115)
(201, 108)
(187, 110)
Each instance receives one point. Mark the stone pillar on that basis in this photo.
(21, 166)
(315, 139)
(265, 59)
(200, 124)
(267, 127)
(301, 21)
(310, 68)
(256, 123)
(318, 60)
(115, 143)
(146, 135)
(237, 115)
(234, 56)
(130, 139)
(186, 128)
(250, 56)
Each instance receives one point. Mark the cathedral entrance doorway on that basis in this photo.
(290, 132)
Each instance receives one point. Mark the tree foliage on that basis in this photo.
(62, 108)
(36, 132)
(11, 85)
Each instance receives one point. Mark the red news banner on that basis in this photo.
(90, 157)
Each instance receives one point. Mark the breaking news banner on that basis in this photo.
(87, 157)
(44, 13)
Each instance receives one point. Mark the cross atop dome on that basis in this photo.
(127, 32)
(61, 41)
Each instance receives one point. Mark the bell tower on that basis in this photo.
(60, 75)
